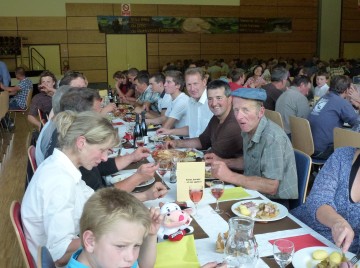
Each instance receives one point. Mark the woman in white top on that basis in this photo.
(54, 200)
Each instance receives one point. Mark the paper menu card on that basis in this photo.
(188, 173)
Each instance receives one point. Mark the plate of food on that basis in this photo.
(121, 175)
(162, 138)
(192, 155)
(167, 154)
(320, 257)
(260, 210)
(152, 127)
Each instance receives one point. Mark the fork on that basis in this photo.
(355, 259)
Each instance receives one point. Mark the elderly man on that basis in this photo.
(277, 86)
(269, 161)
(222, 134)
(294, 102)
(198, 112)
(175, 115)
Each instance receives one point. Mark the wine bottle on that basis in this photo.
(143, 124)
(110, 94)
(137, 129)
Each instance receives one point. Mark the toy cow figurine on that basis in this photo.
(176, 222)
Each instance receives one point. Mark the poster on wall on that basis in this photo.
(156, 24)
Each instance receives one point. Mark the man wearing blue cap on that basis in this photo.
(268, 161)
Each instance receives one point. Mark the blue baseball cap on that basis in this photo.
(250, 93)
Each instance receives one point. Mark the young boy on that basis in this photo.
(322, 88)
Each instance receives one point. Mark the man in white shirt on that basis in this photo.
(175, 115)
(198, 112)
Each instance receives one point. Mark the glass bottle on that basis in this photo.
(241, 249)
(110, 94)
(137, 129)
(143, 124)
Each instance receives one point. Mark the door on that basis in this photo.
(125, 51)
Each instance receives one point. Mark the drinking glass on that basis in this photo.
(283, 251)
(140, 142)
(217, 190)
(163, 168)
(196, 193)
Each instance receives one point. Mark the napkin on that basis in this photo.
(303, 241)
(234, 193)
(177, 254)
(117, 123)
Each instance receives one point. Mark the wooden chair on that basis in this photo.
(15, 217)
(32, 158)
(44, 259)
(346, 137)
(275, 117)
(303, 168)
(23, 111)
(302, 139)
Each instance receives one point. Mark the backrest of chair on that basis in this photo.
(275, 117)
(346, 137)
(15, 217)
(303, 167)
(301, 136)
(44, 258)
(32, 158)
(4, 103)
(28, 98)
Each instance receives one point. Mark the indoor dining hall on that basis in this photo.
(182, 134)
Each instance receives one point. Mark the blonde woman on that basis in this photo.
(54, 200)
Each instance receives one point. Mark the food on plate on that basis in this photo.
(335, 257)
(208, 172)
(220, 242)
(162, 138)
(262, 211)
(150, 126)
(244, 210)
(267, 210)
(167, 154)
(334, 260)
(320, 254)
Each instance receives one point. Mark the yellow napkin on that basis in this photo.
(177, 254)
(234, 193)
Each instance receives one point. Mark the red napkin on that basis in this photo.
(117, 123)
(303, 241)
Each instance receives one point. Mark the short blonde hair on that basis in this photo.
(107, 206)
(95, 128)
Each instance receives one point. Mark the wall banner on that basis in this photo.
(143, 25)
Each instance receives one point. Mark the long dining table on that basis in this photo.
(208, 225)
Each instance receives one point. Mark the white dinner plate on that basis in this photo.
(303, 257)
(283, 212)
(146, 183)
(121, 175)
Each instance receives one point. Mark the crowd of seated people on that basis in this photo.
(225, 117)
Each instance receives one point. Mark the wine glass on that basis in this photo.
(163, 168)
(217, 190)
(283, 251)
(140, 142)
(196, 192)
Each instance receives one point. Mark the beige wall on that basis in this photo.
(57, 7)
(85, 48)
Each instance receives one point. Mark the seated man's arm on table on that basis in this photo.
(125, 160)
(232, 163)
(184, 131)
(267, 186)
(152, 114)
(156, 121)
